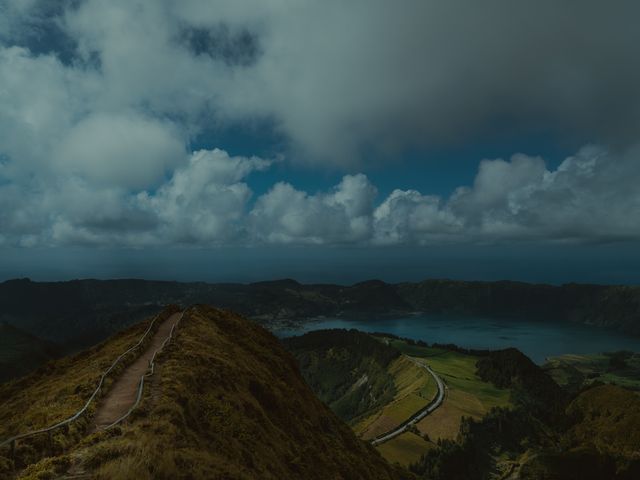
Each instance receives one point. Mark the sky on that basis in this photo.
(326, 141)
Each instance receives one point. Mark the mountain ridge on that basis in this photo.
(79, 313)
(226, 401)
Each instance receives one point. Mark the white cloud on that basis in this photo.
(127, 150)
(40, 100)
(410, 217)
(93, 147)
(336, 76)
(205, 201)
(287, 215)
(589, 197)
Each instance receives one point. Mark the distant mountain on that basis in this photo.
(227, 401)
(608, 306)
(79, 313)
(37, 304)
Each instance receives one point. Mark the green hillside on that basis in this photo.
(545, 435)
(347, 369)
(575, 372)
(397, 387)
(227, 401)
(21, 352)
(602, 440)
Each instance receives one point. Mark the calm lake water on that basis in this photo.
(538, 340)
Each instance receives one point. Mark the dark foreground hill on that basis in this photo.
(21, 352)
(227, 401)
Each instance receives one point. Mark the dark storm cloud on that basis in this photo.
(220, 43)
(99, 100)
(342, 76)
(37, 25)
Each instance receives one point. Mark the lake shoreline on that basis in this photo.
(538, 339)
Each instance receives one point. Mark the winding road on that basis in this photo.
(420, 414)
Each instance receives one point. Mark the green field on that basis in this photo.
(576, 371)
(405, 449)
(414, 390)
(466, 394)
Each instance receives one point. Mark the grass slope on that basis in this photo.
(467, 394)
(347, 369)
(414, 390)
(603, 440)
(21, 352)
(56, 391)
(405, 449)
(227, 402)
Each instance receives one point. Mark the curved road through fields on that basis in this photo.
(420, 414)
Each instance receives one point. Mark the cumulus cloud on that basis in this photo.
(99, 102)
(590, 197)
(287, 215)
(128, 150)
(204, 202)
(408, 217)
(338, 77)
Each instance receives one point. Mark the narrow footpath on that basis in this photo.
(123, 392)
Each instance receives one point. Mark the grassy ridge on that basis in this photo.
(227, 401)
(57, 391)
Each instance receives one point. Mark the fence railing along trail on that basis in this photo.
(48, 430)
(148, 374)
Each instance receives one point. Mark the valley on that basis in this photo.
(503, 416)
(415, 388)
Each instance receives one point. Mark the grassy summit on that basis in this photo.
(227, 401)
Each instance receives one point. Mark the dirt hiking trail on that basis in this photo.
(123, 392)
